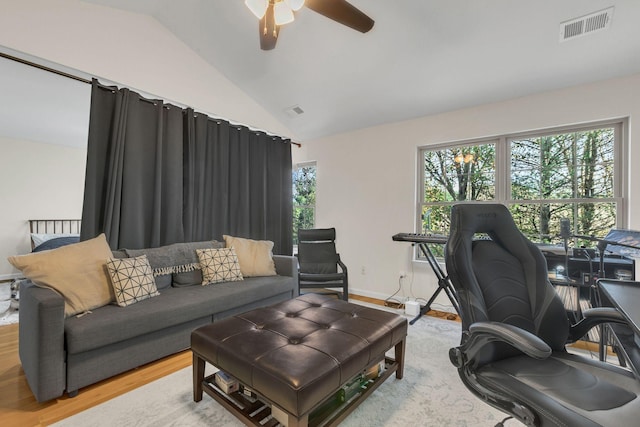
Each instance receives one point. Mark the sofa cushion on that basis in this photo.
(255, 256)
(132, 280)
(177, 261)
(111, 324)
(219, 265)
(187, 278)
(78, 272)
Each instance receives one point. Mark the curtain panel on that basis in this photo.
(159, 174)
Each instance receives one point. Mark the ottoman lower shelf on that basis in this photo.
(258, 412)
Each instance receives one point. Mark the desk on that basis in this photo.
(625, 296)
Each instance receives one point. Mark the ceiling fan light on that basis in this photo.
(257, 7)
(295, 5)
(282, 13)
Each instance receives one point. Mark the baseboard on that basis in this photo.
(359, 295)
(366, 293)
(396, 299)
(9, 277)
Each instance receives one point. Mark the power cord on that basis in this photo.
(396, 303)
(501, 423)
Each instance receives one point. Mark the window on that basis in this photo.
(573, 173)
(304, 197)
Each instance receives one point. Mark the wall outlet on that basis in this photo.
(403, 274)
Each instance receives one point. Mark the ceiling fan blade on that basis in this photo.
(268, 29)
(343, 12)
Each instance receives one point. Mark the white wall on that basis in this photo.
(366, 179)
(38, 181)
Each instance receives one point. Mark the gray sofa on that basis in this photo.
(61, 354)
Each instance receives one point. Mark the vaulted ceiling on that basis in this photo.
(422, 57)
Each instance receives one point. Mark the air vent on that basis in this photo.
(294, 111)
(587, 24)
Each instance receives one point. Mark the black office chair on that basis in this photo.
(514, 330)
(318, 263)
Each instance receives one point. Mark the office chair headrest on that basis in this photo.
(492, 219)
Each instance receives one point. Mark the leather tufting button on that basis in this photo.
(292, 315)
(294, 341)
(259, 326)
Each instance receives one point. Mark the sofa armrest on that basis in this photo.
(41, 340)
(287, 265)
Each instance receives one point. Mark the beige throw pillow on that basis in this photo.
(132, 280)
(78, 272)
(255, 256)
(219, 265)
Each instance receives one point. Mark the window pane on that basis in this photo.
(436, 219)
(563, 166)
(303, 218)
(304, 198)
(540, 222)
(460, 173)
(595, 219)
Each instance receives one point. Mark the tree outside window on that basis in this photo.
(304, 198)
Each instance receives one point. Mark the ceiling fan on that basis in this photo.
(275, 13)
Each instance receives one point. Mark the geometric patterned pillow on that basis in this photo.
(132, 280)
(219, 265)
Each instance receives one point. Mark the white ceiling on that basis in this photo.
(422, 57)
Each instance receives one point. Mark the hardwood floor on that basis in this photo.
(18, 407)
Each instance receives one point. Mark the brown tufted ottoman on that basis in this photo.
(296, 356)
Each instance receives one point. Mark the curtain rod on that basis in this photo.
(44, 67)
(67, 75)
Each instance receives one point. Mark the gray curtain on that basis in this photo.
(158, 174)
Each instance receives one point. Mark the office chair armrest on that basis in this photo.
(482, 333)
(594, 317)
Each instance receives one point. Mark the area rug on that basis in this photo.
(430, 394)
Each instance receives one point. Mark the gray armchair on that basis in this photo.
(514, 330)
(320, 266)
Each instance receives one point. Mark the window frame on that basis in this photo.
(503, 168)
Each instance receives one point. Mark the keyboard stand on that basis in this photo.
(444, 284)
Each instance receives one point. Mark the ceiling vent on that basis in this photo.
(587, 24)
(294, 111)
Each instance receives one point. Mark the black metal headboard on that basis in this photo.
(54, 226)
